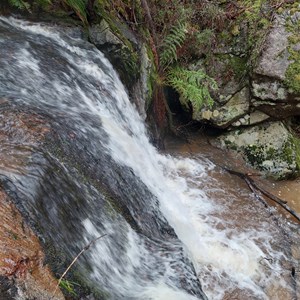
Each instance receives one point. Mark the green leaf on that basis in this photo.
(192, 86)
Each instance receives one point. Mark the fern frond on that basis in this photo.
(79, 6)
(20, 4)
(173, 40)
(192, 86)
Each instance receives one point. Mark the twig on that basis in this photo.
(75, 259)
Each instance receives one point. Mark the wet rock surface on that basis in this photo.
(23, 272)
(63, 179)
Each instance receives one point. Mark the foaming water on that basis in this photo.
(226, 257)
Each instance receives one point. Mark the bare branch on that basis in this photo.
(75, 259)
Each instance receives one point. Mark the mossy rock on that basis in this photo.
(121, 52)
(269, 147)
(292, 25)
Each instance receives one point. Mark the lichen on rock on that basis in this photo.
(270, 148)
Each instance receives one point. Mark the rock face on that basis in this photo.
(270, 148)
(22, 259)
(271, 85)
(129, 56)
(273, 81)
(234, 109)
(119, 47)
(254, 98)
(274, 59)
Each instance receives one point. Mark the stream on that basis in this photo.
(177, 226)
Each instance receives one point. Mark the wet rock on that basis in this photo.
(101, 34)
(120, 47)
(22, 266)
(130, 58)
(269, 147)
(142, 89)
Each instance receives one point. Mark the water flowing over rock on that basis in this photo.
(140, 248)
(78, 164)
(129, 57)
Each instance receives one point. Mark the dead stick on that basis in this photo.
(75, 259)
(251, 183)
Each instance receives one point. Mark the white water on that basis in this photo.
(225, 259)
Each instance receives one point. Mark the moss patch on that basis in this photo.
(276, 159)
(292, 74)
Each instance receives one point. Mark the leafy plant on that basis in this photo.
(192, 86)
(20, 4)
(79, 6)
(173, 40)
(68, 286)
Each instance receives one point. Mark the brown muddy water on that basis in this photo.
(243, 211)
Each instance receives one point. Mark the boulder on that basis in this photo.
(275, 80)
(236, 107)
(269, 147)
(120, 48)
(101, 34)
(274, 59)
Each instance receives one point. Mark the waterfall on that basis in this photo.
(172, 233)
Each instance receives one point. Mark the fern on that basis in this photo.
(20, 4)
(79, 6)
(192, 86)
(252, 9)
(173, 40)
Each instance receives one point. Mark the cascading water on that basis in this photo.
(170, 231)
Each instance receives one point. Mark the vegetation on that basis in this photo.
(179, 32)
(192, 86)
(20, 4)
(292, 74)
(78, 6)
(68, 286)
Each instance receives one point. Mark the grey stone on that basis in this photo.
(270, 90)
(223, 116)
(274, 60)
(101, 34)
(257, 117)
(269, 147)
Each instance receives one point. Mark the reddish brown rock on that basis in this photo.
(21, 256)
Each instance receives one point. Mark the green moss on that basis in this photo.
(238, 65)
(292, 75)
(234, 64)
(292, 150)
(292, 80)
(255, 154)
